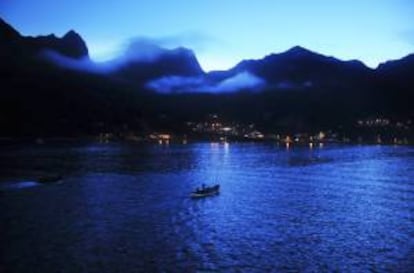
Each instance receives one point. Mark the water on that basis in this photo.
(126, 208)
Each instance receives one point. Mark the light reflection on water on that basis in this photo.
(126, 208)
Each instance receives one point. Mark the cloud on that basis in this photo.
(149, 48)
(178, 84)
(141, 49)
(243, 80)
(85, 64)
(137, 50)
(193, 39)
(146, 50)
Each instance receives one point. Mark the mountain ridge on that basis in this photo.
(294, 65)
(39, 97)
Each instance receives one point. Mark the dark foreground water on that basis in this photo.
(126, 208)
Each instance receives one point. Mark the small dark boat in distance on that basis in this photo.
(206, 191)
(49, 179)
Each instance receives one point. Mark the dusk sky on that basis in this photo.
(224, 32)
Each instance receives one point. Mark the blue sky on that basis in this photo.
(223, 32)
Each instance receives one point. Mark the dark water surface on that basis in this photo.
(126, 208)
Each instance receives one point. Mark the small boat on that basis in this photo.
(206, 191)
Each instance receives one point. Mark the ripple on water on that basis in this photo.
(126, 208)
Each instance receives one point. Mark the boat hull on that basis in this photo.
(201, 195)
(206, 191)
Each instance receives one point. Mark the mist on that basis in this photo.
(177, 84)
(83, 65)
(144, 50)
(137, 50)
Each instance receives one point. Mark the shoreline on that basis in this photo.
(177, 141)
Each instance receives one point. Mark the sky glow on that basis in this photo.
(224, 32)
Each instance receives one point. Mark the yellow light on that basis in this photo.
(164, 136)
(321, 135)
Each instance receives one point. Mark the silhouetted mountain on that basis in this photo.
(39, 98)
(156, 62)
(70, 45)
(299, 67)
(7, 32)
(302, 90)
(402, 69)
(394, 80)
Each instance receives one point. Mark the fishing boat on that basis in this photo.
(206, 191)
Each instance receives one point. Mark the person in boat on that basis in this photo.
(201, 189)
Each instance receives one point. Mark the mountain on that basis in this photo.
(7, 32)
(394, 80)
(143, 62)
(299, 67)
(23, 56)
(70, 45)
(294, 90)
(400, 70)
(39, 98)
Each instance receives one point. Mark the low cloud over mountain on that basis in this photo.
(49, 84)
(177, 84)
